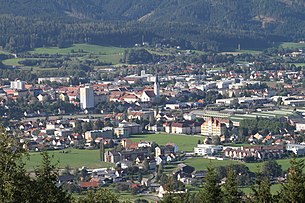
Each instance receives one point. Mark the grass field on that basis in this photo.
(105, 54)
(292, 45)
(184, 142)
(202, 163)
(298, 64)
(74, 158)
(245, 51)
(3, 52)
(86, 48)
(274, 189)
(12, 62)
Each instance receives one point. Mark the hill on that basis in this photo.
(201, 24)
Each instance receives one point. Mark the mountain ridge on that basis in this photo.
(193, 22)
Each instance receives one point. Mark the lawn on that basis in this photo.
(105, 54)
(292, 45)
(129, 197)
(274, 189)
(243, 51)
(12, 62)
(202, 163)
(86, 48)
(184, 142)
(298, 64)
(74, 158)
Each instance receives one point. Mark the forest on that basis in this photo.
(203, 25)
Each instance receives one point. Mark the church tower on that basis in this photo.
(157, 87)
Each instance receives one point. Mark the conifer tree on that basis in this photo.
(211, 191)
(14, 183)
(100, 196)
(294, 190)
(230, 190)
(46, 189)
(261, 191)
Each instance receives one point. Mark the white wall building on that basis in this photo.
(54, 79)
(18, 85)
(86, 97)
(297, 149)
(206, 149)
(300, 126)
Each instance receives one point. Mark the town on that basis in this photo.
(153, 122)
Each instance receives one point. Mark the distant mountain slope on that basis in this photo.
(225, 13)
(189, 20)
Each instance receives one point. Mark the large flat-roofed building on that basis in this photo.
(17, 85)
(86, 97)
(206, 149)
(54, 79)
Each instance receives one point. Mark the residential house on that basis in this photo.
(255, 152)
(130, 155)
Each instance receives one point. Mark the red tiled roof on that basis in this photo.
(89, 184)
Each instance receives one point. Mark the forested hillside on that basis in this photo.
(199, 24)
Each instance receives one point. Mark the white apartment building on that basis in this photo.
(86, 97)
(18, 85)
(206, 149)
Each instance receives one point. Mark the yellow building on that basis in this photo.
(213, 127)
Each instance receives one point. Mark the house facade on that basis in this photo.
(213, 127)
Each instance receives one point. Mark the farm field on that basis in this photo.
(80, 48)
(184, 142)
(298, 64)
(292, 45)
(242, 51)
(12, 62)
(74, 158)
(106, 54)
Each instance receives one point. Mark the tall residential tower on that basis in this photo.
(86, 97)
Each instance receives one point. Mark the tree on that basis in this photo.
(15, 185)
(160, 171)
(272, 169)
(294, 190)
(45, 183)
(98, 124)
(261, 191)
(78, 127)
(140, 176)
(145, 164)
(216, 140)
(102, 150)
(211, 191)
(230, 190)
(100, 196)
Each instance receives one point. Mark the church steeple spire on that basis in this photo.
(157, 87)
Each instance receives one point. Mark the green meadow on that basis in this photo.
(201, 163)
(184, 142)
(107, 54)
(74, 158)
(292, 45)
(80, 48)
